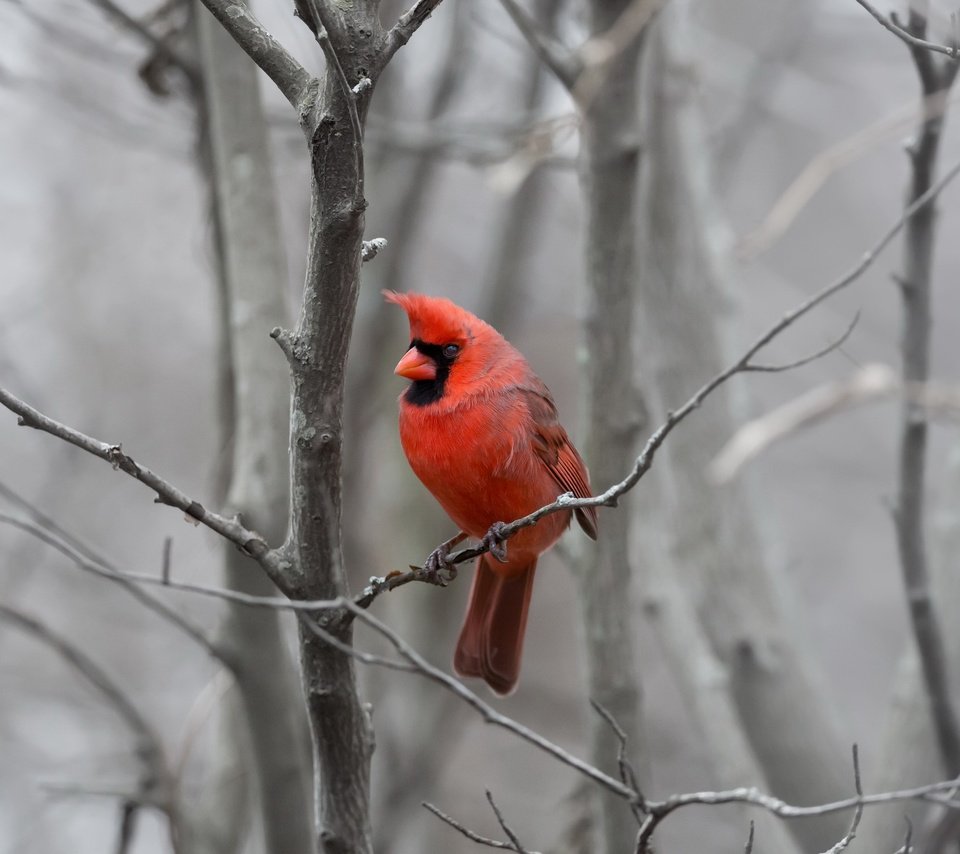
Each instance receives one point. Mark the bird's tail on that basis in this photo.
(491, 640)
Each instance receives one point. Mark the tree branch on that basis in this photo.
(233, 530)
(565, 63)
(469, 834)
(936, 79)
(407, 24)
(45, 530)
(290, 77)
(155, 785)
(160, 45)
(890, 23)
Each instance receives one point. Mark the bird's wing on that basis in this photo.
(556, 451)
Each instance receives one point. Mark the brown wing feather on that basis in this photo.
(553, 446)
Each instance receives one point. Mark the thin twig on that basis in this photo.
(487, 712)
(161, 46)
(233, 530)
(504, 826)
(627, 772)
(565, 63)
(836, 344)
(857, 813)
(794, 199)
(775, 806)
(890, 23)
(465, 831)
(128, 823)
(907, 847)
(47, 532)
(154, 783)
(105, 570)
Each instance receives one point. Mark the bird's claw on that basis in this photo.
(495, 542)
(437, 568)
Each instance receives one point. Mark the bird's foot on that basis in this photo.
(495, 542)
(437, 568)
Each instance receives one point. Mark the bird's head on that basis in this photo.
(445, 341)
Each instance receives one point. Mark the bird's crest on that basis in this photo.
(437, 320)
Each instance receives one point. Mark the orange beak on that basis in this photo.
(416, 366)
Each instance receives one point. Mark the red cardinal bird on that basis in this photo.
(480, 430)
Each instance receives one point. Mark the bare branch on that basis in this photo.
(161, 46)
(936, 77)
(627, 772)
(775, 806)
(469, 834)
(857, 813)
(829, 161)
(656, 810)
(98, 566)
(504, 826)
(408, 23)
(247, 541)
(155, 783)
(907, 847)
(487, 712)
(836, 344)
(128, 823)
(291, 78)
(891, 24)
(565, 63)
(869, 383)
(600, 51)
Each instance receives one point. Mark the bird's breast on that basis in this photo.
(478, 462)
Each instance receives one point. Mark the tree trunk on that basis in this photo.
(717, 547)
(609, 159)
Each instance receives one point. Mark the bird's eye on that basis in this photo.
(451, 350)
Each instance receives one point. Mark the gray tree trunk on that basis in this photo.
(718, 552)
(609, 159)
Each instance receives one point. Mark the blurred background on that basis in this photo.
(109, 322)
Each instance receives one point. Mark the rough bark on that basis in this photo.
(609, 158)
(717, 549)
(252, 272)
(342, 736)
